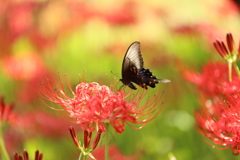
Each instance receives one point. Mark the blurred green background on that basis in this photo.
(41, 38)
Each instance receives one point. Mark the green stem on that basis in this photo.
(236, 68)
(3, 150)
(230, 71)
(80, 156)
(106, 145)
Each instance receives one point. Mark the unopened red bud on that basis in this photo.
(97, 138)
(230, 42)
(74, 137)
(25, 155)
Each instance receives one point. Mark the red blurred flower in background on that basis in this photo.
(213, 81)
(93, 106)
(6, 114)
(23, 67)
(200, 29)
(19, 17)
(16, 19)
(114, 154)
(122, 14)
(33, 123)
(28, 69)
(27, 20)
(227, 8)
(19, 20)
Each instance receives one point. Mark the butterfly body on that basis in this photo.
(133, 71)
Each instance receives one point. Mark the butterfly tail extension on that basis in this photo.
(163, 80)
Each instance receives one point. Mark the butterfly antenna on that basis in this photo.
(115, 74)
(122, 87)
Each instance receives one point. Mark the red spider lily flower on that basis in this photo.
(38, 156)
(213, 80)
(94, 105)
(220, 125)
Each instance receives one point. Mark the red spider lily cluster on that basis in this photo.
(218, 118)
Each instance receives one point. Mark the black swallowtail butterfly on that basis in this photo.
(133, 71)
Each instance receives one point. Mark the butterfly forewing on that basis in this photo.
(133, 57)
(132, 63)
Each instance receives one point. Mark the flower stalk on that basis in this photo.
(5, 115)
(106, 143)
(3, 150)
(236, 69)
(230, 71)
